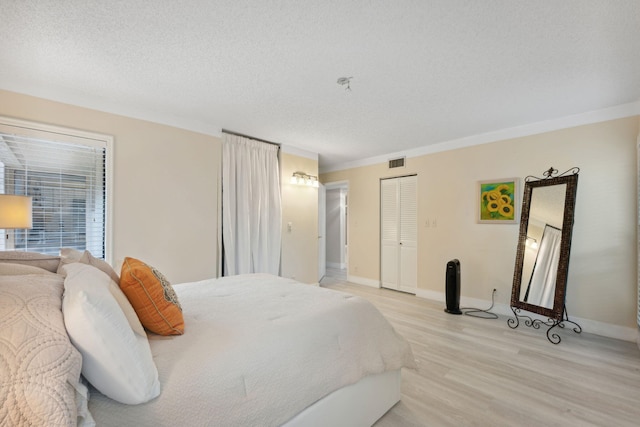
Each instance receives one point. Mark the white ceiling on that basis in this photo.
(424, 72)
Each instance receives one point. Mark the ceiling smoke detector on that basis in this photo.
(345, 81)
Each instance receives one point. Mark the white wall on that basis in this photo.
(602, 282)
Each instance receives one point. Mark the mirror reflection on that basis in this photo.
(542, 255)
(542, 245)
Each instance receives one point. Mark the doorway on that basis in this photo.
(336, 231)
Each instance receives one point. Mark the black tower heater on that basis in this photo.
(453, 287)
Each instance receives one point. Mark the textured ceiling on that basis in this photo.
(424, 72)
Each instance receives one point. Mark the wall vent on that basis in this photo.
(396, 163)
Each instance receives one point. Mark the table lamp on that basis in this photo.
(15, 211)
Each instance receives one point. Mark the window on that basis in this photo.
(65, 172)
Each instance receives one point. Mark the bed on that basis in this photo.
(256, 350)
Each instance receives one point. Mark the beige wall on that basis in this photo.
(300, 208)
(602, 282)
(165, 206)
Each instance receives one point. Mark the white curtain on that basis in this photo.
(251, 206)
(543, 280)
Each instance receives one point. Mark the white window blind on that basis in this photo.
(65, 175)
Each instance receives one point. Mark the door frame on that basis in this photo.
(322, 231)
(344, 229)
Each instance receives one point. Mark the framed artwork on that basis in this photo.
(498, 201)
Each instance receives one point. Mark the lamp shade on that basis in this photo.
(15, 211)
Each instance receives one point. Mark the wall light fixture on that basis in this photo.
(301, 178)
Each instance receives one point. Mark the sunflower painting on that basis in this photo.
(498, 202)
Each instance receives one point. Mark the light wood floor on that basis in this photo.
(476, 372)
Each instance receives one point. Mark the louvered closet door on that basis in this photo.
(389, 231)
(399, 208)
(408, 273)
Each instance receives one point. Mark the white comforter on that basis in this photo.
(257, 350)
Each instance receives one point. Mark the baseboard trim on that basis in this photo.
(338, 265)
(606, 329)
(591, 326)
(363, 281)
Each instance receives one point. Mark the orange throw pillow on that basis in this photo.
(152, 297)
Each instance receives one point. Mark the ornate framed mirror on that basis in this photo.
(544, 246)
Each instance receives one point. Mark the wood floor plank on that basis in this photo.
(478, 372)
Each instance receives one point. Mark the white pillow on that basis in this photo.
(126, 307)
(117, 361)
(69, 255)
(115, 290)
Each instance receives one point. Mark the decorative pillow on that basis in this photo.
(69, 255)
(48, 262)
(115, 360)
(11, 269)
(152, 297)
(103, 265)
(39, 368)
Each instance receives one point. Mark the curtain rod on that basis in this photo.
(250, 137)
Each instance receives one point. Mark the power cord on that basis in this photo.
(480, 313)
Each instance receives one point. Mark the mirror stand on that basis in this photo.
(544, 246)
(537, 323)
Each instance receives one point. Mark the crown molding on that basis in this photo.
(612, 113)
